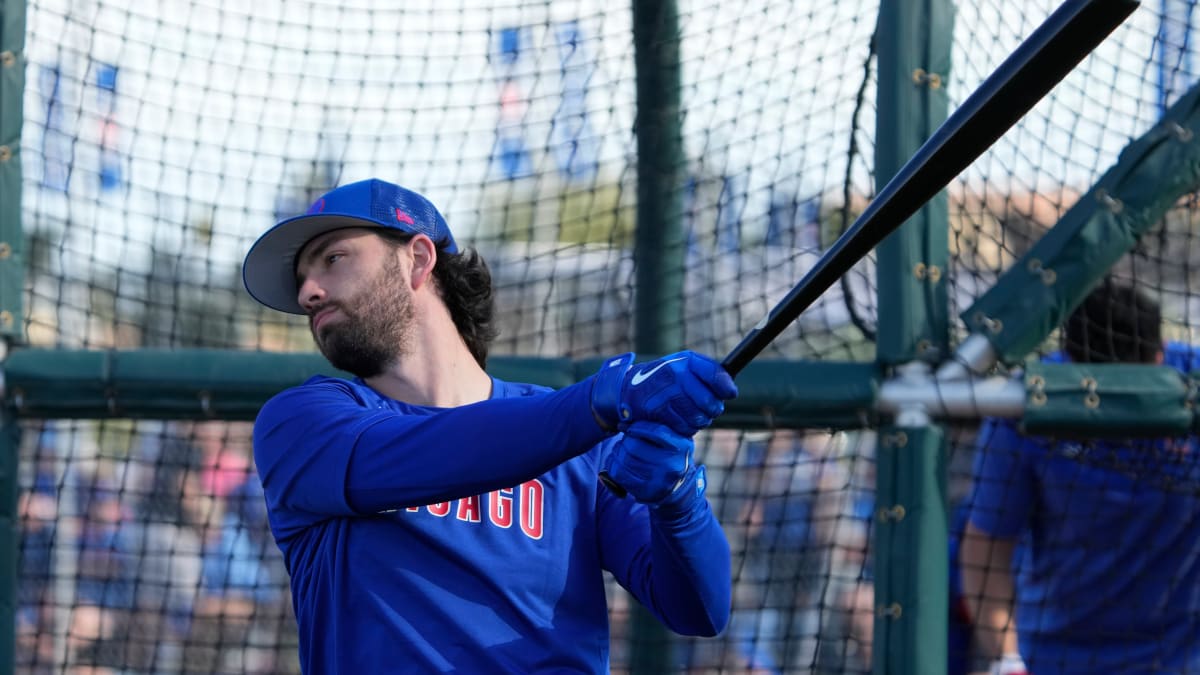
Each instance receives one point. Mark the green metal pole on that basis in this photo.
(659, 242)
(913, 38)
(12, 94)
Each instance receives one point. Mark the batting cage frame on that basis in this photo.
(921, 379)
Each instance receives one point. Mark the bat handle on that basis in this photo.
(733, 364)
(744, 352)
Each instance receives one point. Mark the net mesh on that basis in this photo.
(145, 549)
(161, 138)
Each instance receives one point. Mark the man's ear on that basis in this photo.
(424, 257)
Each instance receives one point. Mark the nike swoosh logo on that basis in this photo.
(642, 375)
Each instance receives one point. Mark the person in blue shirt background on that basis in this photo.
(1094, 546)
(436, 519)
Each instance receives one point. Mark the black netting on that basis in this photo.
(160, 139)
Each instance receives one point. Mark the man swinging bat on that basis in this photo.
(436, 519)
(359, 474)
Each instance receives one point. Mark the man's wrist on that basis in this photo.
(605, 398)
(687, 498)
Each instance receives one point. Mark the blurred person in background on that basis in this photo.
(842, 521)
(753, 641)
(37, 512)
(166, 471)
(238, 598)
(964, 657)
(803, 600)
(106, 575)
(1095, 546)
(783, 558)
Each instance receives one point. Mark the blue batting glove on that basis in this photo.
(685, 391)
(656, 466)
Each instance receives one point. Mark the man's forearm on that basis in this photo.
(988, 589)
(691, 571)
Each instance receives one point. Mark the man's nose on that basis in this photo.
(310, 294)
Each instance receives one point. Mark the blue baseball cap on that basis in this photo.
(269, 271)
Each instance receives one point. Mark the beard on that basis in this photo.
(373, 331)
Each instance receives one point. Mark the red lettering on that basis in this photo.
(439, 509)
(414, 509)
(531, 508)
(468, 509)
(500, 507)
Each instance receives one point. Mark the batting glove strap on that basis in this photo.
(687, 496)
(606, 391)
(683, 391)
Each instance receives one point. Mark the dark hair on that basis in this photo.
(1116, 323)
(465, 284)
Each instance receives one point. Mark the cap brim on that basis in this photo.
(269, 271)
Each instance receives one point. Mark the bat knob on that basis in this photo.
(612, 485)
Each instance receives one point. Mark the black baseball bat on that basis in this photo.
(1032, 70)
(1070, 33)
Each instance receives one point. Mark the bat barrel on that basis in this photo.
(1032, 70)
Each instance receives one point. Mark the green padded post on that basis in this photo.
(913, 38)
(1039, 291)
(12, 94)
(913, 41)
(12, 243)
(911, 560)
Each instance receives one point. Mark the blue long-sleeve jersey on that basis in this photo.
(469, 539)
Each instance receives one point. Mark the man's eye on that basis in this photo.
(332, 258)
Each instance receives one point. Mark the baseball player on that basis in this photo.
(436, 519)
(1097, 545)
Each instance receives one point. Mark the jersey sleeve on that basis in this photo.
(321, 451)
(1182, 357)
(1004, 482)
(677, 567)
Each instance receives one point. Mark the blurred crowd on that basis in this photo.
(155, 557)
(150, 557)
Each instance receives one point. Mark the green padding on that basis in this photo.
(172, 384)
(200, 384)
(1106, 400)
(911, 565)
(12, 266)
(12, 97)
(912, 38)
(798, 394)
(1041, 289)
